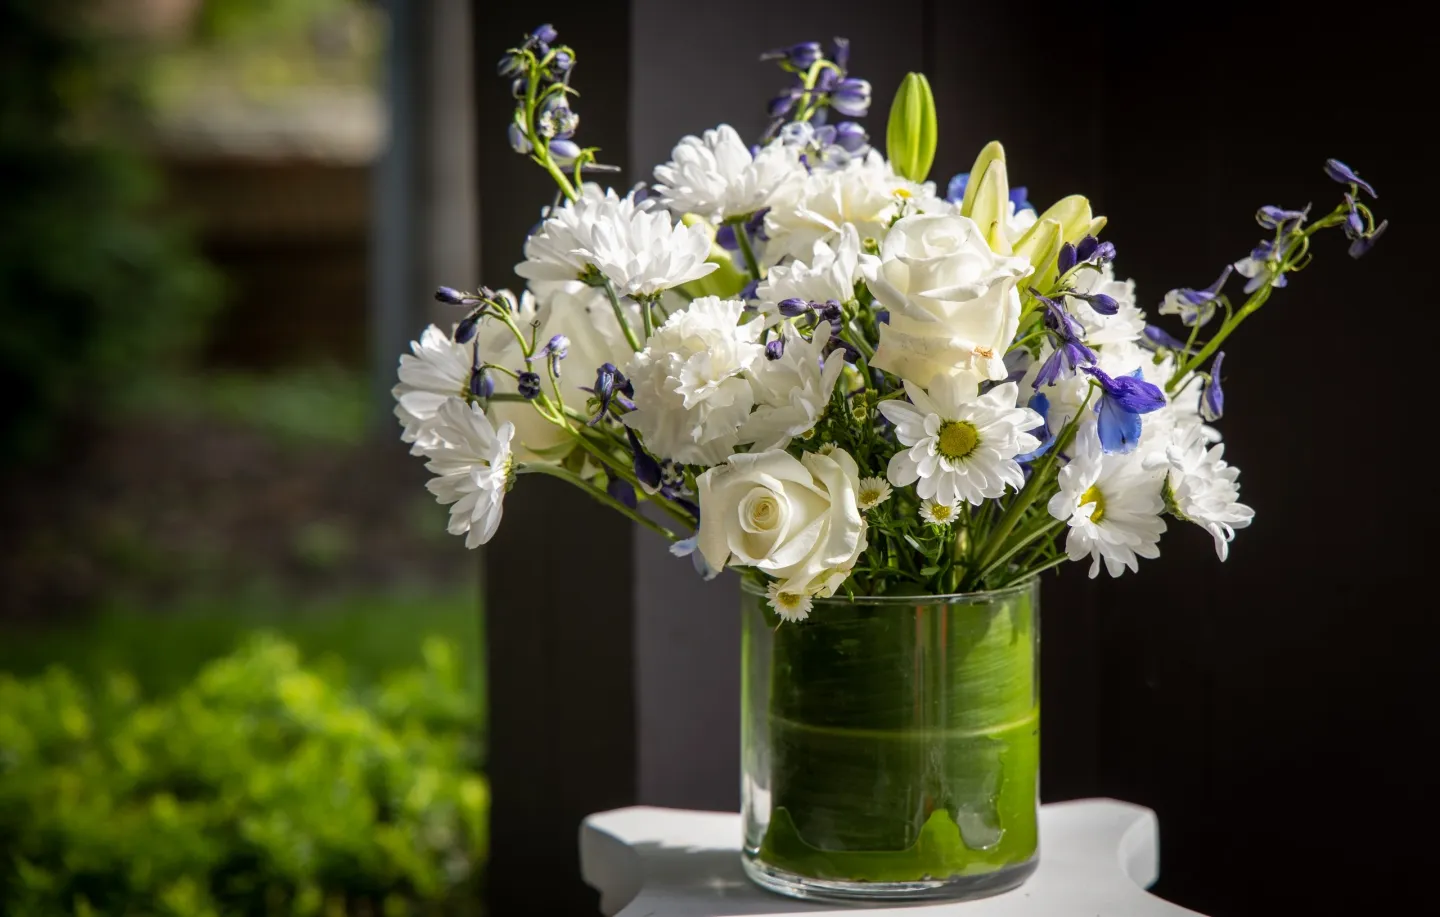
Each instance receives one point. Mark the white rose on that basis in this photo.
(796, 519)
(954, 304)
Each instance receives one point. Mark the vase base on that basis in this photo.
(957, 888)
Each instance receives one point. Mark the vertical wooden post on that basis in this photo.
(559, 576)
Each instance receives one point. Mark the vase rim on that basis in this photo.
(954, 598)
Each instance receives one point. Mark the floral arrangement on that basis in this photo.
(817, 367)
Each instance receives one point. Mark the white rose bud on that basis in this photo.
(954, 304)
(797, 520)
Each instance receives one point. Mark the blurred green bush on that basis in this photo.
(262, 787)
(97, 288)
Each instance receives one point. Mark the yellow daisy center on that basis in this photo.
(903, 193)
(869, 496)
(1093, 495)
(942, 512)
(788, 600)
(958, 438)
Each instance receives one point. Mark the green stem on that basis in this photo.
(620, 316)
(743, 237)
(1048, 565)
(1044, 526)
(564, 474)
(627, 474)
(1038, 480)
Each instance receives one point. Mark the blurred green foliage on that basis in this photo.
(261, 787)
(97, 288)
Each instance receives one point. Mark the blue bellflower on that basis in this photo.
(1272, 217)
(647, 469)
(1157, 338)
(1195, 307)
(851, 97)
(1122, 400)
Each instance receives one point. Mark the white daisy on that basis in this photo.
(715, 176)
(1201, 487)
(473, 465)
(960, 446)
(692, 390)
(790, 606)
(791, 393)
(872, 492)
(937, 513)
(830, 273)
(1112, 504)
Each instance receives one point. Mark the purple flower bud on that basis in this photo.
(561, 62)
(851, 97)
(725, 237)
(840, 54)
(882, 317)
(519, 87)
(756, 225)
(1354, 224)
(780, 106)
(647, 470)
(1085, 250)
(558, 346)
(1066, 259)
(529, 385)
(1105, 305)
(825, 135)
(518, 141)
(1105, 251)
(827, 81)
(544, 32)
(481, 385)
(790, 308)
(1342, 173)
(803, 55)
(621, 491)
(748, 292)
(452, 296)
(1272, 217)
(955, 191)
(465, 331)
(775, 349)
(1360, 246)
(564, 152)
(1212, 399)
(850, 136)
(1159, 337)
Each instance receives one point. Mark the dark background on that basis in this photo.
(1273, 710)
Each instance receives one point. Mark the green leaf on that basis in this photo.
(911, 134)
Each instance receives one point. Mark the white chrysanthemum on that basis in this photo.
(816, 209)
(552, 252)
(1112, 504)
(715, 176)
(691, 389)
(791, 393)
(1203, 488)
(472, 463)
(830, 273)
(790, 606)
(872, 492)
(960, 445)
(439, 369)
(647, 253)
(1128, 322)
(937, 513)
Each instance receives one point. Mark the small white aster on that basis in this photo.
(790, 606)
(472, 464)
(960, 445)
(827, 449)
(714, 176)
(1112, 504)
(872, 492)
(937, 513)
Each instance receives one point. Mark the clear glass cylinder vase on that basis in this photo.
(890, 746)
